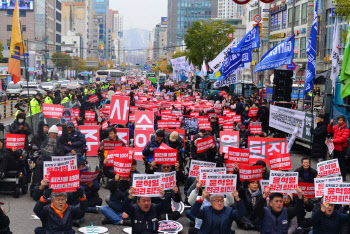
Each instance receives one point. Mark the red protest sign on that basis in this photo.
(141, 139)
(76, 112)
(227, 139)
(53, 111)
(90, 123)
(283, 182)
(280, 161)
(250, 173)
(255, 130)
(15, 141)
(162, 124)
(236, 118)
(92, 136)
(253, 112)
(119, 110)
(237, 155)
(261, 148)
(227, 127)
(104, 125)
(174, 124)
(90, 115)
(308, 189)
(64, 181)
(146, 185)
(144, 120)
(122, 166)
(205, 144)
(328, 168)
(204, 125)
(231, 114)
(93, 99)
(194, 114)
(87, 177)
(165, 156)
(111, 145)
(123, 134)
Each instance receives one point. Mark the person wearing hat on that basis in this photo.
(49, 98)
(20, 109)
(35, 104)
(75, 142)
(174, 141)
(154, 143)
(217, 218)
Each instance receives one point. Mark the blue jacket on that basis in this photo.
(217, 221)
(328, 224)
(151, 144)
(78, 142)
(117, 196)
(91, 192)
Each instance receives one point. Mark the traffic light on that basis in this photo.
(282, 90)
(260, 28)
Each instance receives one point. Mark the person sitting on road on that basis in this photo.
(19, 126)
(56, 215)
(4, 222)
(306, 173)
(144, 215)
(154, 143)
(8, 159)
(75, 142)
(174, 141)
(119, 191)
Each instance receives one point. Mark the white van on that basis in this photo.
(13, 90)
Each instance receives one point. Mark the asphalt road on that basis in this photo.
(20, 210)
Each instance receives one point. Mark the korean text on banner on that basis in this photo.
(204, 171)
(168, 180)
(146, 185)
(64, 181)
(140, 141)
(228, 139)
(93, 99)
(144, 120)
(237, 155)
(337, 193)
(250, 173)
(280, 161)
(15, 141)
(53, 111)
(87, 177)
(73, 165)
(122, 164)
(224, 184)
(90, 115)
(320, 182)
(92, 136)
(119, 111)
(283, 182)
(330, 145)
(55, 166)
(195, 165)
(205, 144)
(328, 168)
(165, 156)
(111, 145)
(308, 189)
(261, 148)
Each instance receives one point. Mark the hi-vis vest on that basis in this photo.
(34, 107)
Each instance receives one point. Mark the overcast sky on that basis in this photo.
(144, 14)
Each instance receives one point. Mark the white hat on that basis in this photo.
(53, 129)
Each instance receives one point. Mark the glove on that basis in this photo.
(80, 192)
(63, 120)
(41, 117)
(151, 149)
(47, 193)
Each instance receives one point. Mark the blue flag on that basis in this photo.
(233, 62)
(311, 52)
(250, 41)
(279, 55)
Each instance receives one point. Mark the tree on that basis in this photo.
(62, 61)
(178, 54)
(163, 66)
(109, 64)
(1, 49)
(78, 64)
(343, 9)
(205, 40)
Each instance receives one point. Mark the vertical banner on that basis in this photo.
(119, 111)
(140, 141)
(92, 137)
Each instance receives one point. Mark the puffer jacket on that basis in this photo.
(59, 143)
(319, 147)
(340, 137)
(78, 141)
(148, 151)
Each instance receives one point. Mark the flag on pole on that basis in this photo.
(204, 70)
(17, 47)
(345, 69)
(335, 54)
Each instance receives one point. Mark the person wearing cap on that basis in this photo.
(154, 143)
(19, 106)
(56, 215)
(75, 141)
(217, 218)
(49, 98)
(276, 218)
(35, 105)
(319, 147)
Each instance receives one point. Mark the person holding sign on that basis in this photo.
(58, 216)
(8, 159)
(276, 218)
(19, 126)
(340, 140)
(217, 218)
(75, 142)
(154, 143)
(144, 215)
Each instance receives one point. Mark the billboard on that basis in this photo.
(22, 4)
(164, 22)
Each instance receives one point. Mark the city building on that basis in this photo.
(116, 23)
(160, 42)
(101, 8)
(181, 14)
(73, 44)
(228, 9)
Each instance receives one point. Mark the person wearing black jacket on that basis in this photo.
(263, 117)
(215, 129)
(319, 147)
(113, 213)
(19, 126)
(209, 154)
(306, 173)
(144, 215)
(8, 159)
(174, 141)
(4, 222)
(239, 107)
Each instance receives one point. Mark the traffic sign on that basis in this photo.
(292, 66)
(241, 2)
(257, 18)
(267, 1)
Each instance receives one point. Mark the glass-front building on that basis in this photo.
(40, 22)
(101, 11)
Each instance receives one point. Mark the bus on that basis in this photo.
(113, 76)
(152, 77)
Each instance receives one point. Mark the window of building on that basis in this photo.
(8, 43)
(304, 13)
(303, 47)
(9, 28)
(290, 17)
(24, 28)
(22, 13)
(296, 48)
(297, 15)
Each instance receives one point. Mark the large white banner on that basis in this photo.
(286, 119)
(179, 64)
(221, 58)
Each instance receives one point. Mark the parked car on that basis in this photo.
(32, 89)
(55, 84)
(13, 90)
(64, 83)
(73, 85)
(2, 96)
(47, 86)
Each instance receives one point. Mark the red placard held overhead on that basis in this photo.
(105, 125)
(204, 125)
(250, 173)
(123, 134)
(280, 162)
(93, 99)
(53, 111)
(228, 139)
(92, 136)
(15, 141)
(64, 181)
(90, 115)
(237, 155)
(144, 120)
(87, 177)
(111, 145)
(205, 144)
(165, 156)
(90, 123)
(119, 111)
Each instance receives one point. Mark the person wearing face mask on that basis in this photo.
(19, 126)
(91, 190)
(19, 106)
(119, 191)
